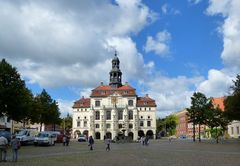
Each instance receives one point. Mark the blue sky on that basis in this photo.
(168, 49)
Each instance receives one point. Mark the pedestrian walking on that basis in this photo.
(15, 146)
(107, 142)
(91, 142)
(3, 149)
(67, 140)
(64, 140)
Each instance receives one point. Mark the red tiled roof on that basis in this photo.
(145, 102)
(218, 102)
(82, 103)
(126, 87)
(106, 90)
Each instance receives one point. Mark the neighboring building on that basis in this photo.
(182, 126)
(113, 110)
(233, 129)
(5, 123)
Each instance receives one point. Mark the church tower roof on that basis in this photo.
(115, 73)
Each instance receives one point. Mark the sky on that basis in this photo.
(168, 49)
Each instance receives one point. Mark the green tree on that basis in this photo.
(231, 103)
(15, 98)
(171, 122)
(200, 105)
(66, 123)
(216, 119)
(48, 111)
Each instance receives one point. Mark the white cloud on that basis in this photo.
(216, 85)
(160, 44)
(167, 9)
(194, 1)
(65, 107)
(171, 94)
(58, 43)
(230, 31)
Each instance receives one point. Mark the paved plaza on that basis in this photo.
(159, 152)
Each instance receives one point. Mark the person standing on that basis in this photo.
(107, 142)
(15, 146)
(91, 142)
(3, 148)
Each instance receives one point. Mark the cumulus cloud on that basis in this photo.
(172, 94)
(57, 43)
(159, 44)
(219, 81)
(65, 106)
(216, 85)
(230, 31)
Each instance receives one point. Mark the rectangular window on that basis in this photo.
(108, 126)
(78, 124)
(141, 123)
(149, 123)
(120, 126)
(130, 115)
(237, 129)
(97, 103)
(97, 115)
(96, 126)
(232, 130)
(85, 124)
(108, 115)
(130, 126)
(120, 115)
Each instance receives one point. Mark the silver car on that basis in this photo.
(45, 138)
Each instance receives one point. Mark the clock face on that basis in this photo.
(114, 99)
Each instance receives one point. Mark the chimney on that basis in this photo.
(146, 95)
(82, 97)
(126, 83)
(101, 83)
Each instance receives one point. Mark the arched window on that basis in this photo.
(130, 102)
(97, 115)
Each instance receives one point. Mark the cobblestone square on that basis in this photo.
(159, 152)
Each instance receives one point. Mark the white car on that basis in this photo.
(45, 138)
(82, 138)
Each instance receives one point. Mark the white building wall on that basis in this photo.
(234, 129)
(106, 103)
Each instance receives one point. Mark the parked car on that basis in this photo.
(6, 134)
(45, 138)
(82, 138)
(26, 136)
(59, 136)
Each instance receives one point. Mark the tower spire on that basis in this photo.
(115, 73)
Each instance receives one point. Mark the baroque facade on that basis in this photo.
(114, 110)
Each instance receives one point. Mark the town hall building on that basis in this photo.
(114, 110)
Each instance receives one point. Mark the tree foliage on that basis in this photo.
(15, 98)
(216, 121)
(200, 105)
(47, 109)
(168, 124)
(231, 103)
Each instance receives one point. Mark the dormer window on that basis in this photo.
(125, 92)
